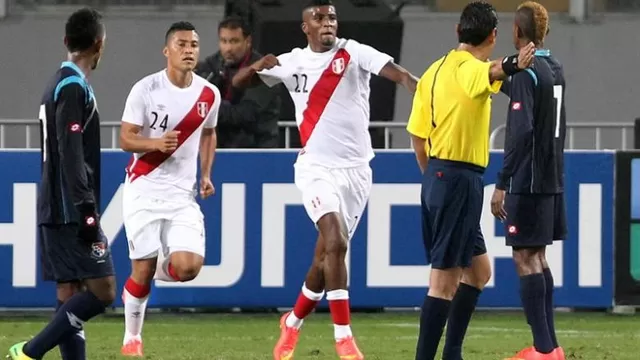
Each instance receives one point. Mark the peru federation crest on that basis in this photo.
(338, 66)
(203, 109)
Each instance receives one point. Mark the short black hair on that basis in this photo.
(82, 29)
(235, 22)
(178, 26)
(314, 3)
(477, 22)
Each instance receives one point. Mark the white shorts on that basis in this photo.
(152, 225)
(342, 190)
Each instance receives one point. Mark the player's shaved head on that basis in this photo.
(312, 5)
(532, 21)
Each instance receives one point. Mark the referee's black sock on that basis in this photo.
(72, 347)
(462, 308)
(548, 282)
(68, 321)
(532, 293)
(433, 318)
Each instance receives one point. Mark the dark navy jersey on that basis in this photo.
(70, 147)
(536, 128)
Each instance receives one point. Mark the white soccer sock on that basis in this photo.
(162, 270)
(293, 321)
(342, 331)
(134, 311)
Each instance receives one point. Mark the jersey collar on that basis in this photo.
(73, 67)
(543, 52)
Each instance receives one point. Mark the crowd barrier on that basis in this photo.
(260, 241)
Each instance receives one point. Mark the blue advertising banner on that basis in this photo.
(260, 241)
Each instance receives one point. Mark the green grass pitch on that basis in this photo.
(385, 336)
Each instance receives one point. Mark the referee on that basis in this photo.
(449, 127)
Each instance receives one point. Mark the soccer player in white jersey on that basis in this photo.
(169, 118)
(329, 84)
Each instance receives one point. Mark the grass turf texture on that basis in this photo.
(492, 335)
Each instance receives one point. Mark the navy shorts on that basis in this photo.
(452, 194)
(67, 258)
(534, 220)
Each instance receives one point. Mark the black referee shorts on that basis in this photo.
(452, 195)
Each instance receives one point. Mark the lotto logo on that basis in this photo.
(91, 221)
(75, 127)
(516, 106)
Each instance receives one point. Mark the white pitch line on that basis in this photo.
(516, 330)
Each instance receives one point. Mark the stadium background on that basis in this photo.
(598, 268)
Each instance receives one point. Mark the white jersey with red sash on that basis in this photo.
(158, 106)
(330, 91)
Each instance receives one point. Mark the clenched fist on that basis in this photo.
(267, 62)
(168, 142)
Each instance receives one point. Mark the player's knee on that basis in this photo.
(336, 246)
(334, 235)
(527, 261)
(65, 291)
(479, 274)
(543, 260)
(186, 272)
(104, 289)
(444, 284)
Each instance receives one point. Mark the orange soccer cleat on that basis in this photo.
(286, 345)
(559, 352)
(133, 347)
(348, 350)
(530, 353)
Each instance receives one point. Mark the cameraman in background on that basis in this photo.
(247, 118)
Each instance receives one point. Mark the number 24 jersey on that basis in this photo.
(158, 106)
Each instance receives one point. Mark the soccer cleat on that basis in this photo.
(348, 350)
(15, 352)
(530, 353)
(133, 348)
(559, 352)
(286, 345)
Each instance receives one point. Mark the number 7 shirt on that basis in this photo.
(158, 106)
(330, 91)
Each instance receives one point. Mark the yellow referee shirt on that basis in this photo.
(452, 108)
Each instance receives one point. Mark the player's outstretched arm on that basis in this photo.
(69, 109)
(248, 76)
(504, 67)
(399, 75)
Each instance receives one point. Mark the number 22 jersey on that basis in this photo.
(330, 91)
(158, 106)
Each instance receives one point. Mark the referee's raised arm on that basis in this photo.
(449, 127)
